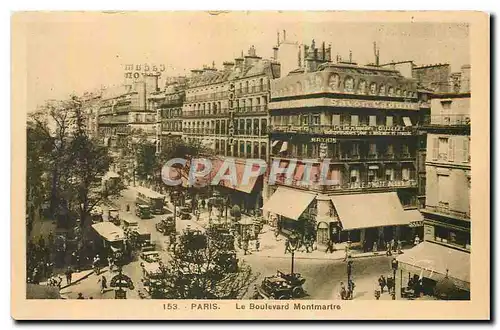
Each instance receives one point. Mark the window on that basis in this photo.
(249, 149)
(316, 119)
(451, 149)
(354, 120)
(333, 150)
(256, 127)
(305, 120)
(405, 174)
(355, 150)
(443, 188)
(373, 121)
(372, 175)
(354, 176)
(389, 174)
(248, 130)
(405, 152)
(465, 151)
(390, 150)
(242, 149)
(373, 149)
(389, 121)
(335, 120)
(442, 148)
(263, 127)
(263, 150)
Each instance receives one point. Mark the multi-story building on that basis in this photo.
(126, 110)
(226, 110)
(169, 110)
(362, 120)
(90, 105)
(446, 250)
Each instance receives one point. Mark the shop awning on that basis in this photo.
(407, 121)
(369, 210)
(275, 143)
(288, 203)
(434, 261)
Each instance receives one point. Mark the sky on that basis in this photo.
(71, 52)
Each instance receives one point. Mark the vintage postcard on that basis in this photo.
(250, 165)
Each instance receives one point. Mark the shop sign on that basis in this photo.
(368, 130)
(323, 140)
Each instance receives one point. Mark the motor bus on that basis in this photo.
(110, 239)
(154, 200)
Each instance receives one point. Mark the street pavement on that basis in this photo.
(323, 272)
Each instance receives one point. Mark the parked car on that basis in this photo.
(143, 211)
(166, 226)
(151, 256)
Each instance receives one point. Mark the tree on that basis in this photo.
(204, 266)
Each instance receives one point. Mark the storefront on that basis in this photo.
(370, 219)
(295, 211)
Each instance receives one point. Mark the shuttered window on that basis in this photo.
(435, 148)
(451, 149)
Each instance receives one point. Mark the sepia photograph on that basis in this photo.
(253, 162)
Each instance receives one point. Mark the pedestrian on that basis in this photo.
(96, 262)
(245, 247)
(69, 274)
(350, 289)
(382, 283)
(203, 203)
(110, 263)
(375, 247)
(347, 252)
(104, 283)
(329, 246)
(349, 269)
(343, 291)
(393, 245)
(80, 296)
(417, 240)
(257, 244)
(128, 207)
(389, 250)
(400, 247)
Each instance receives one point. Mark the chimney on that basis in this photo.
(228, 66)
(278, 33)
(275, 53)
(350, 56)
(465, 79)
(323, 52)
(284, 35)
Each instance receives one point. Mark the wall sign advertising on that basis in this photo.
(344, 103)
(137, 70)
(368, 130)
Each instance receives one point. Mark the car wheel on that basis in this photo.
(297, 292)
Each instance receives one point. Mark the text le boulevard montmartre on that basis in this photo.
(286, 306)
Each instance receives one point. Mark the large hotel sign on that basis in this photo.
(343, 103)
(137, 70)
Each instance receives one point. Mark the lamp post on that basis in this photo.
(394, 265)
(293, 245)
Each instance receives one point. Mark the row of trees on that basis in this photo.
(65, 165)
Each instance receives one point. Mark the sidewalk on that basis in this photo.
(272, 247)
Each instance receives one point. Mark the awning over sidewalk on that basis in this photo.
(369, 210)
(415, 218)
(288, 203)
(434, 261)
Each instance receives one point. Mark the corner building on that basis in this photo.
(362, 120)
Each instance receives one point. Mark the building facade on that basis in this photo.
(447, 223)
(362, 120)
(227, 111)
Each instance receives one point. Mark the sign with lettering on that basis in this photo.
(323, 140)
(344, 103)
(368, 130)
(138, 70)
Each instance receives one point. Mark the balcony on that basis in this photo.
(351, 186)
(448, 120)
(110, 120)
(220, 113)
(249, 110)
(343, 130)
(445, 210)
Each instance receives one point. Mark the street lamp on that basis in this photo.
(293, 245)
(394, 265)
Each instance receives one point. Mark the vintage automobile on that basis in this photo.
(166, 226)
(151, 256)
(114, 216)
(282, 286)
(96, 214)
(143, 211)
(141, 239)
(152, 273)
(130, 224)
